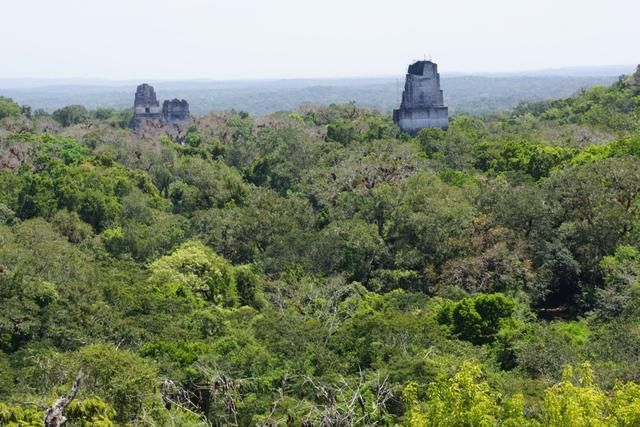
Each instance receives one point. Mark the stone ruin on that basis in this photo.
(146, 109)
(145, 106)
(175, 111)
(422, 100)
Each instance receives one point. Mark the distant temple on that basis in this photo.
(174, 111)
(147, 108)
(422, 100)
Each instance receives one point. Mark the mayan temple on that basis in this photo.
(147, 109)
(145, 105)
(422, 100)
(175, 111)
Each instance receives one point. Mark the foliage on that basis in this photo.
(71, 115)
(90, 412)
(462, 400)
(477, 319)
(196, 269)
(16, 416)
(8, 107)
(318, 267)
(125, 380)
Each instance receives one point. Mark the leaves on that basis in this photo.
(304, 268)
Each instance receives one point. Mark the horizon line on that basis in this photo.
(522, 72)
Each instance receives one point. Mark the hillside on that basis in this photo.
(318, 267)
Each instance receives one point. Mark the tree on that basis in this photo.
(91, 412)
(205, 184)
(71, 115)
(525, 208)
(195, 269)
(621, 279)
(125, 380)
(568, 404)
(464, 400)
(426, 221)
(8, 107)
(353, 247)
(599, 206)
(477, 319)
(247, 283)
(16, 416)
(54, 416)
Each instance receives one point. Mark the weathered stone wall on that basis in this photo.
(147, 109)
(422, 100)
(411, 121)
(422, 90)
(175, 110)
(145, 105)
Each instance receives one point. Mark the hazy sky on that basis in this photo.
(239, 39)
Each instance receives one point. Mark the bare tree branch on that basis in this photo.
(54, 416)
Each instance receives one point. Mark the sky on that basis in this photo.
(274, 39)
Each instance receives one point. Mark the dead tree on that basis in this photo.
(54, 416)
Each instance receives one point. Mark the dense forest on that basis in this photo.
(320, 268)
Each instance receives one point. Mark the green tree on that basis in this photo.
(90, 412)
(426, 222)
(571, 404)
(621, 279)
(599, 206)
(71, 115)
(125, 381)
(8, 107)
(194, 268)
(477, 319)
(464, 400)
